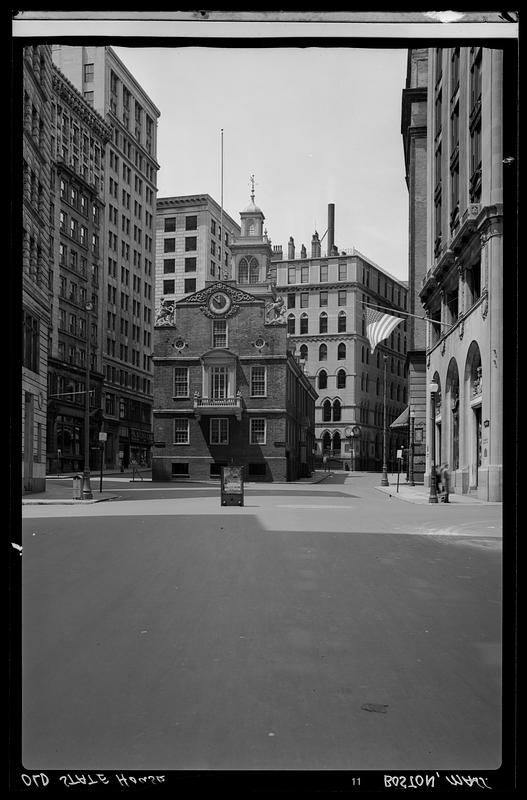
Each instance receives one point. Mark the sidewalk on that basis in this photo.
(59, 488)
(419, 494)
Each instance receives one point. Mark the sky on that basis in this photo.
(315, 125)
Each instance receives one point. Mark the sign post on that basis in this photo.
(102, 442)
(399, 459)
(232, 486)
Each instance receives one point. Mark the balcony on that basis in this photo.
(218, 406)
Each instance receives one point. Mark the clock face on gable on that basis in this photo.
(219, 303)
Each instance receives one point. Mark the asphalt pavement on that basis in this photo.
(320, 626)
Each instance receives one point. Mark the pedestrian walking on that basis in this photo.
(445, 488)
(325, 462)
(135, 469)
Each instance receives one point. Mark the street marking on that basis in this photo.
(309, 506)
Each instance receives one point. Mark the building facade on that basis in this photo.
(326, 297)
(127, 280)
(79, 137)
(228, 390)
(414, 132)
(37, 91)
(462, 290)
(190, 246)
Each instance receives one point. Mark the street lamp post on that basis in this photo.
(411, 480)
(86, 487)
(433, 486)
(384, 479)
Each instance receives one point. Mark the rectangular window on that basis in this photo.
(343, 297)
(219, 333)
(191, 243)
(169, 287)
(304, 274)
(291, 274)
(219, 430)
(304, 300)
(323, 273)
(323, 299)
(169, 265)
(169, 245)
(190, 264)
(291, 300)
(88, 73)
(190, 285)
(258, 381)
(170, 224)
(31, 342)
(257, 430)
(191, 223)
(180, 381)
(181, 430)
(343, 272)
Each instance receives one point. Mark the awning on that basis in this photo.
(402, 419)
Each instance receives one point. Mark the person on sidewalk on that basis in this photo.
(135, 469)
(445, 489)
(325, 462)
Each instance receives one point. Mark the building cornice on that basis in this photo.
(67, 91)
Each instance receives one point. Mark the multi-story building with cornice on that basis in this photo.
(127, 280)
(462, 289)
(190, 245)
(36, 77)
(413, 129)
(79, 137)
(326, 296)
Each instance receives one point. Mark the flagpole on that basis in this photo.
(222, 235)
(384, 479)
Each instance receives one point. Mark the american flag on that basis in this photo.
(379, 326)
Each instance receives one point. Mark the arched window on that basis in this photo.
(303, 352)
(323, 352)
(291, 323)
(322, 379)
(304, 323)
(323, 323)
(377, 386)
(341, 323)
(336, 442)
(326, 411)
(341, 351)
(326, 442)
(398, 393)
(362, 354)
(341, 379)
(248, 270)
(336, 411)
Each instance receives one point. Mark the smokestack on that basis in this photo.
(291, 248)
(331, 227)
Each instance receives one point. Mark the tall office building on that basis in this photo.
(414, 132)
(462, 290)
(190, 246)
(36, 77)
(79, 137)
(326, 297)
(130, 174)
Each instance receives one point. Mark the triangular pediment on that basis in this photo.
(202, 296)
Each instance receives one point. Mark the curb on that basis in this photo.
(59, 502)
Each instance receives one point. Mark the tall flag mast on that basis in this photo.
(222, 235)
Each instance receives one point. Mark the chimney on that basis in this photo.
(315, 246)
(291, 248)
(303, 252)
(331, 227)
(277, 253)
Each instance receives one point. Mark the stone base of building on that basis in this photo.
(34, 485)
(174, 469)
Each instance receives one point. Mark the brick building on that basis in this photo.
(190, 246)
(414, 132)
(37, 90)
(76, 213)
(228, 390)
(325, 296)
(127, 244)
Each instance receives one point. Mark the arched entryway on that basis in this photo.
(473, 412)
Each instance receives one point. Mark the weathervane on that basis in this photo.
(252, 184)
